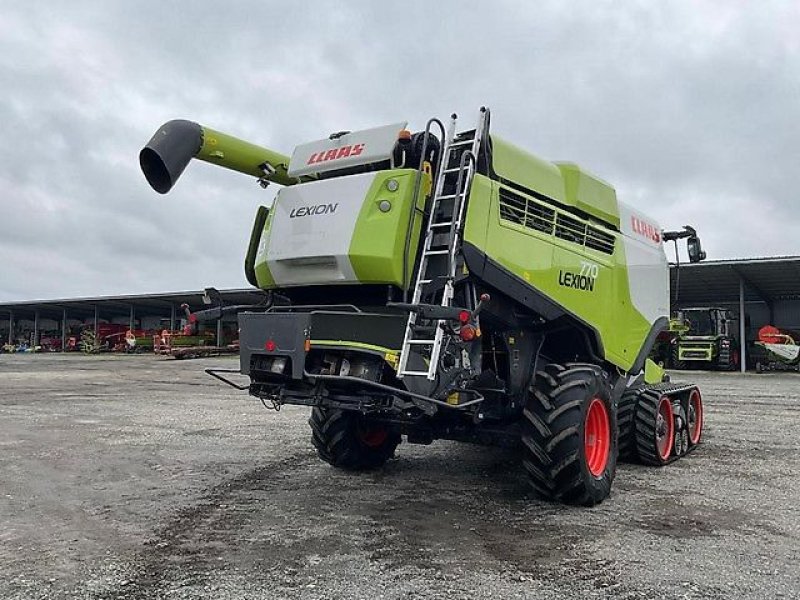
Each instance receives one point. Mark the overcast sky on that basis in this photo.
(690, 109)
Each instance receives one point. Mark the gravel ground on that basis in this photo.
(139, 477)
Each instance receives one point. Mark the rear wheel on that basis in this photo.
(654, 424)
(347, 440)
(569, 440)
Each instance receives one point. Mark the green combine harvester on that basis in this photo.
(449, 285)
(704, 339)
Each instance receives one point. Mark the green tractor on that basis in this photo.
(447, 284)
(705, 339)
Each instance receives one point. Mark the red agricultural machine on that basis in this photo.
(776, 350)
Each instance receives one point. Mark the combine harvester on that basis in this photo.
(452, 286)
(704, 338)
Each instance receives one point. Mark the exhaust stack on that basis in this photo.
(176, 142)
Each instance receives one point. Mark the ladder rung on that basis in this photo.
(421, 373)
(422, 342)
(436, 252)
(442, 224)
(446, 197)
(453, 170)
(462, 143)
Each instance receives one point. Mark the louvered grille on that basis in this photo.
(538, 216)
(599, 240)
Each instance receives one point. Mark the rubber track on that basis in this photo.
(644, 427)
(625, 411)
(551, 428)
(645, 412)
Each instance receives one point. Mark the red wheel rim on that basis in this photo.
(695, 417)
(597, 437)
(665, 428)
(373, 436)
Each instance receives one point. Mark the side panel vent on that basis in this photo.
(526, 212)
(538, 216)
(599, 240)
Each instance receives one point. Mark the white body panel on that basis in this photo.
(789, 352)
(312, 227)
(355, 148)
(648, 272)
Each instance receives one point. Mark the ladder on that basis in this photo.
(438, 263)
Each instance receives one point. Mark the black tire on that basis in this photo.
(346, 440)
(555, 452)
(654, 435)
(625, 424)
(676, 362)
(728, 358)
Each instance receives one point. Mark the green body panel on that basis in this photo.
(653, 372)
(547, 262)
(589, 194)
(263, 274)
(354, 345)
(525, 169)
(378, 242)
(232, 153)
(698, 349)
(565, 183)
(378, 238)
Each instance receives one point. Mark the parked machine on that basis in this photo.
(705, 338)
(776, 350)
(453, 286)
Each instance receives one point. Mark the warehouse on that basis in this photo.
(51, 322)
(760, 291)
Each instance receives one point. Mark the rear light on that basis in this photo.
(464, 316)
(468, 333)
(270, 346)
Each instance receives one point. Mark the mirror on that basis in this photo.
(696, 253)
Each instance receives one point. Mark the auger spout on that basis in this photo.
(176, 142)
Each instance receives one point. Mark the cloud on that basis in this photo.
(688, 108)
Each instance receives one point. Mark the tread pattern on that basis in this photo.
(625, 411)
(676, 363)
(553, 430)
(645, 415)
(334, 435)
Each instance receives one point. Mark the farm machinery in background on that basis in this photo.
(776, 350)
(189, 341)
(700, 338)
(450, 285)
(107, 338)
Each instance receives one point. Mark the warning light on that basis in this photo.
(468, 333)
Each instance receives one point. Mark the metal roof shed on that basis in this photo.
(736, 281)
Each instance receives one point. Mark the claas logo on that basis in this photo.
(646, 230)
(336, 153)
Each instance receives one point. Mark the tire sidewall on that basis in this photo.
(599, 487)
